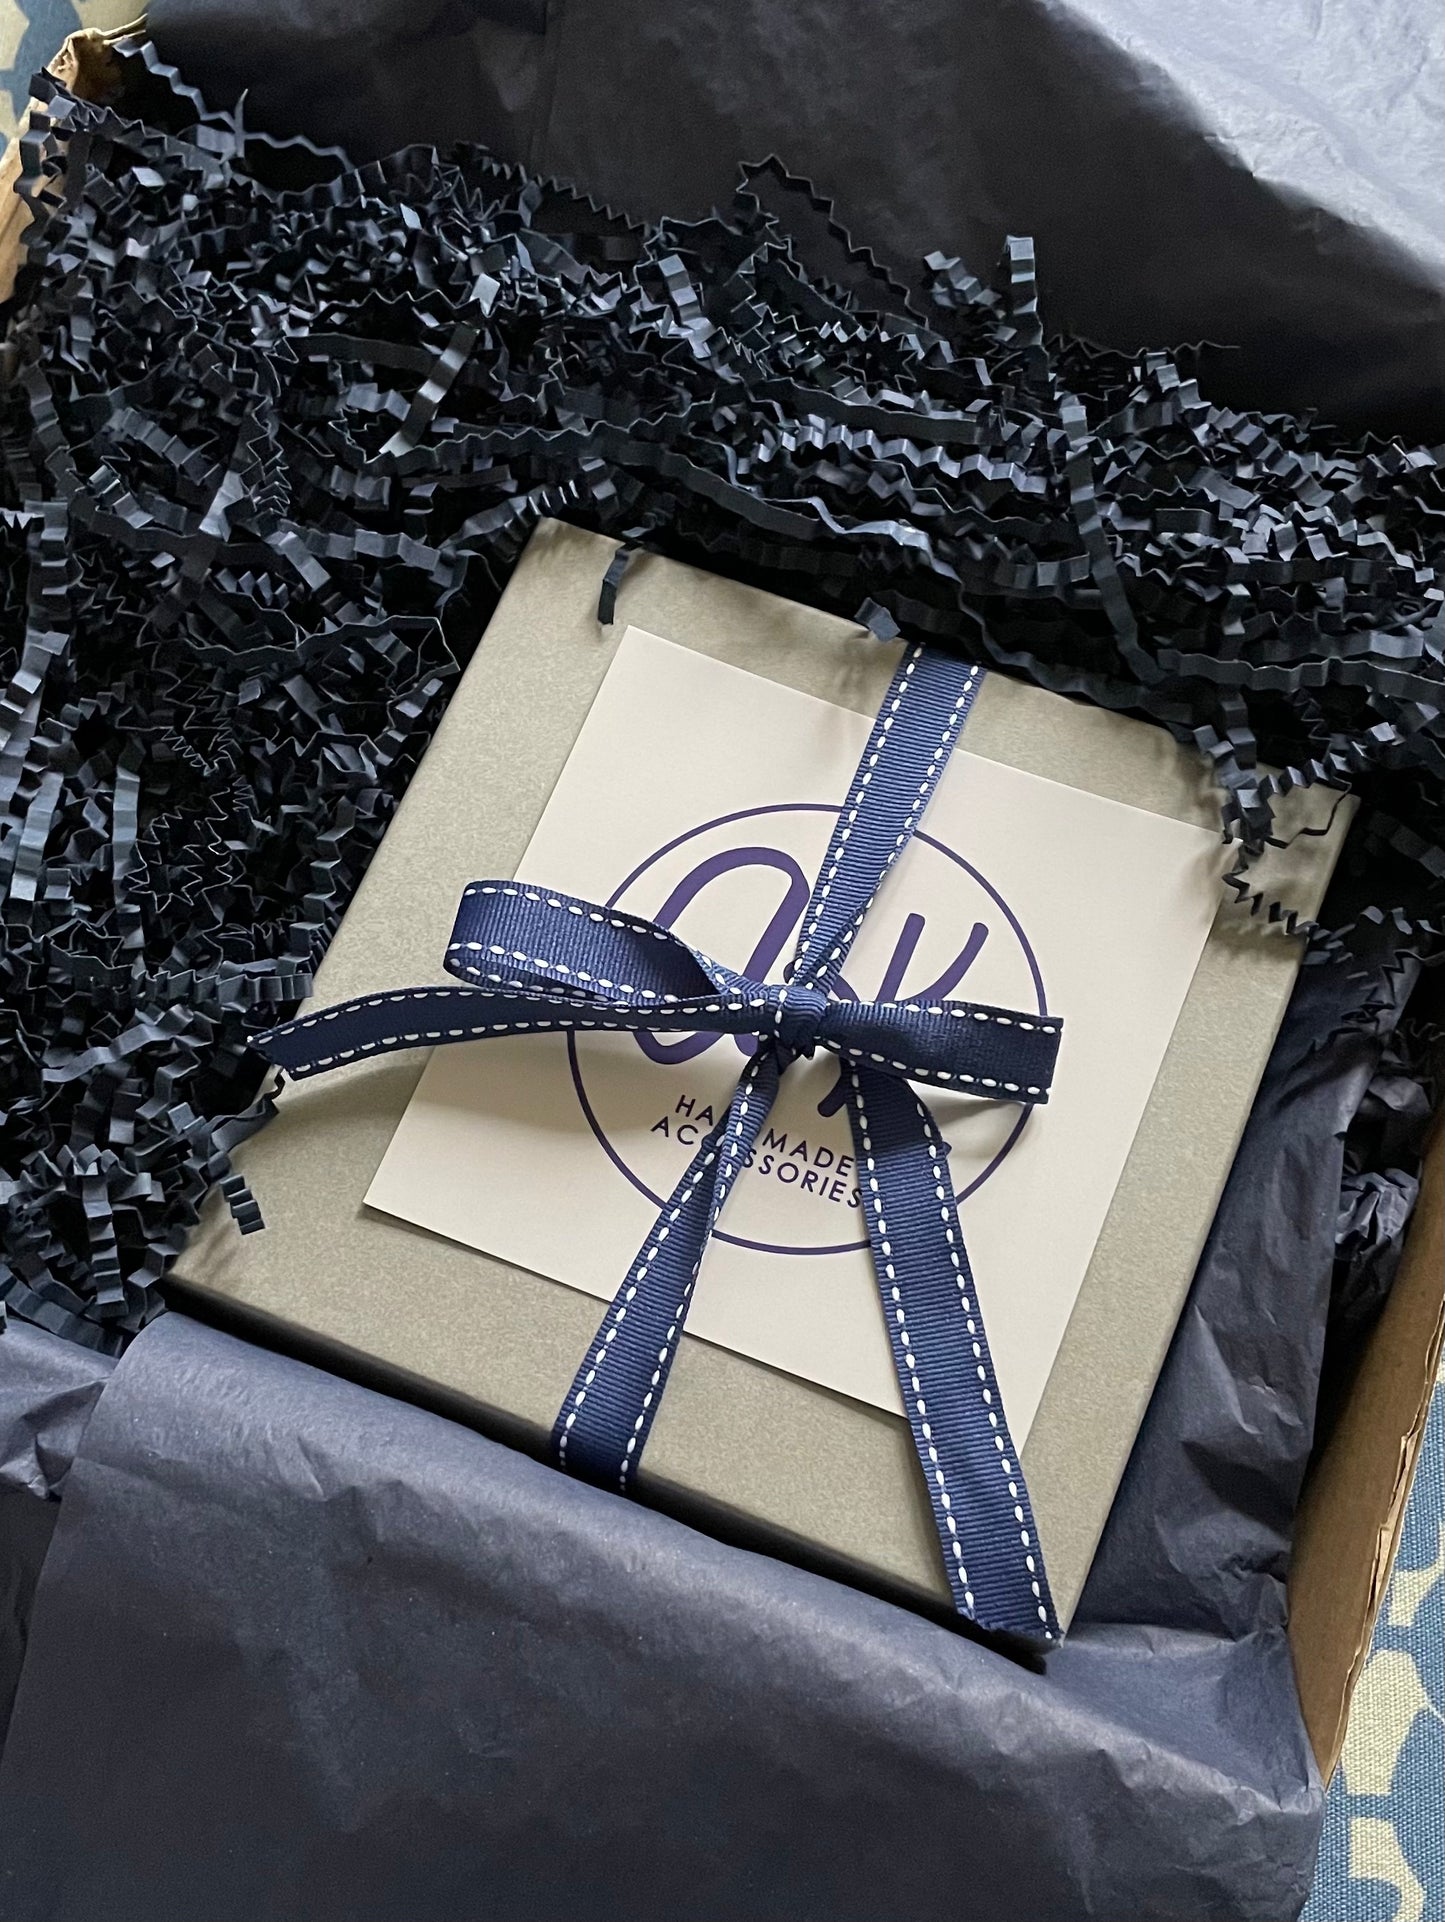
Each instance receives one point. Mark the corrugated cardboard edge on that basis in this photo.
(86, 66)
(1348, 1527)
(1353, 1509)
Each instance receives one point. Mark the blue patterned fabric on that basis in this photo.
(1382, 1855)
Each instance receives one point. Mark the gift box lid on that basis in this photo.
(736, 1444)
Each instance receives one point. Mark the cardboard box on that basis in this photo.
(1350, 1517)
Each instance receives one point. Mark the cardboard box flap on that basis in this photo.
(1353, 1508)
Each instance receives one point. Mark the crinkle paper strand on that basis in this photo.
(274, 432)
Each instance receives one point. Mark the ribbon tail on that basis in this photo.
(975, 1482)
(604, 1422)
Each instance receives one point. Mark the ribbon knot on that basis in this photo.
(529, 959)
(798, 1015)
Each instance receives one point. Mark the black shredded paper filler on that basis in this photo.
(274, 432)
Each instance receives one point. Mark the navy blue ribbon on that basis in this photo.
(536, 961)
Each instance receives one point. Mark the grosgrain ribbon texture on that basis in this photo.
(548, 962)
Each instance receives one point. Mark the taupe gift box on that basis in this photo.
(778, 1460)
(1354, 1500)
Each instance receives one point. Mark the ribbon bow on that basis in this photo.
(537, 961)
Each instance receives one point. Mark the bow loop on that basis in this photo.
(511, 937)
(996, 1054)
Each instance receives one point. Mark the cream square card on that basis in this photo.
(703, 796)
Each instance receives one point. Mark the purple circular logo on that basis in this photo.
(750, 871)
